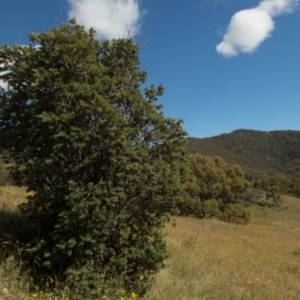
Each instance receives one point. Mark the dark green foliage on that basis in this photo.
(214, 189)
(4, 172)
(106, 167)
(269, 151)
(265, 156)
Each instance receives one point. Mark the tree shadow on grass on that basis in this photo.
(8, 220)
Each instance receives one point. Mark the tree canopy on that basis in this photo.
(214, 189)
(105, 166)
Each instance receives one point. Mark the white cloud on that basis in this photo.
(110, 18)
(247, 29)
(278, 7)
(250, 27)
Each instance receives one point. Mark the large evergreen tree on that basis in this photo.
(104, 165)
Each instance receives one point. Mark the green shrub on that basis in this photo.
(235, 213)
(214, 189)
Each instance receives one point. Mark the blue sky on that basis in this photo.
(226, 64)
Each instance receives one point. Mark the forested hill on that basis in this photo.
(277, 151)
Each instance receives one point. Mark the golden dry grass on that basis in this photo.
(286, 217)
(11, 196)
(215, 260)
(210, 259)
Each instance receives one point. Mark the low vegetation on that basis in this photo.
(209, 259)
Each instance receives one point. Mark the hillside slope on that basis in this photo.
(277, 151)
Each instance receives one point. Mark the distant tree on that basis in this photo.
(273, 192)
(105, 166)
(214, 186)
(211, 208)
(296, 186)
(191, 204)
(236, 213)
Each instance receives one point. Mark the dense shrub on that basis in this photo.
(235, 213)
(214, 189)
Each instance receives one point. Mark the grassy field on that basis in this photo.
(215, 260)
(209, 259)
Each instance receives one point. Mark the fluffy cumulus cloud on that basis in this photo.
(250, 27)
(110, 18)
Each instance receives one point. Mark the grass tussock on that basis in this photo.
(209, 259)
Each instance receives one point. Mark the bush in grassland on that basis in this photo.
(215, 189)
